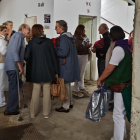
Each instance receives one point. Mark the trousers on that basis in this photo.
(101, 66)
(83, 60)
(46, 99)
(119, 114)
(13, 91)
(69, 101)
(2, 99)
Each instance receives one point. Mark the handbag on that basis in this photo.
(55, 89)
(63, 93)
(98, 104)
(119, 87)
(90, 56)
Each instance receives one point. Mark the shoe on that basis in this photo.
(32, 117)
(71, 106)
(83, 91)
(47, 116)
(79, 94)
(11, 113)
(61, 109)
(111, 109)
(112, 138)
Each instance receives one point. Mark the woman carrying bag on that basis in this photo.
(41, 56)
(118, 76)
(3, 75)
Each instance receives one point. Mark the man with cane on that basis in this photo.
(15, 55)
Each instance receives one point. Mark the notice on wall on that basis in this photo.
(47, 21)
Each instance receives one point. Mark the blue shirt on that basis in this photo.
(15, 51)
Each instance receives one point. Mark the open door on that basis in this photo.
(30, 21)
(90, 24)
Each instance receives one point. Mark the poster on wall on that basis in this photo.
(47, 21)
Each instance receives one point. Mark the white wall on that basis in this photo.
(119, 13)
(71, 9)
(14, 10)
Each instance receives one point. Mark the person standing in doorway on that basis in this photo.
(3, 75)
(68, 62)
(101, 52)
(82, 46)
(15, 54)
(10, 32)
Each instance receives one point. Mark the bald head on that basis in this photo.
(103, 28)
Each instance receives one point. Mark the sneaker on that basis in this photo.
(112, 138)
(83, 91)
(79, 94)
(32, 117)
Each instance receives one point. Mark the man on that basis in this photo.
(101, 52)
(15, 54)
(68, 62)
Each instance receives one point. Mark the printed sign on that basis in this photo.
(47, 21)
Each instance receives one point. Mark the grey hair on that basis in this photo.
(22, 26)
(105, 26)
(63, 24)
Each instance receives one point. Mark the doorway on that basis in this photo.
(90, 24)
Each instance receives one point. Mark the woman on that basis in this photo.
(131, 34)
(40, 55)
(28, 71)
(3, 76)
(10, 32)
(83, 51)
(117, 77)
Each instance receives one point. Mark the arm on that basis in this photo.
(110, 68)
(64, 47)
(27, 56)
(3, 48)
(81, 47)
(54, 58)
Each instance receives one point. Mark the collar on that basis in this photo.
(62, 34)
(105, 34)
(21, 34)
(2, 36)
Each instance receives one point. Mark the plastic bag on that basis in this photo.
(98, 104)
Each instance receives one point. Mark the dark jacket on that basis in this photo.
(70, 71)
(40, 55)
(107, 42)
(81, 49)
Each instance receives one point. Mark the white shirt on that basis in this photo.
(117, 56)
(3, 43)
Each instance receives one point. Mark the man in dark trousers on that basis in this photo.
(101, 52)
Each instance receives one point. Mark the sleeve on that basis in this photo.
(3, 48)
(15, 47)
(117, 56)
(80, 47)
(54, 58)
(64, 47)
(27, 56)
(103, 50)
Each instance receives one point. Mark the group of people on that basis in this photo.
(67, 60)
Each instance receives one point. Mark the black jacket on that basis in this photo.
(103, 50)
(41, 58)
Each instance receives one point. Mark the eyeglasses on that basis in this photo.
(28, 29)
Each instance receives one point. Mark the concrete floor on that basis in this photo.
(66, 126)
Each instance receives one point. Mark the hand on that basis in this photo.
(98, 83)
(10, 31)
(94, 50)
(101, 54)
(21, 69)
(56, 76)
